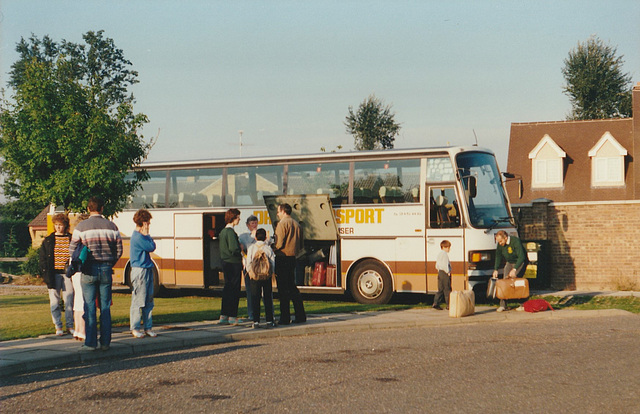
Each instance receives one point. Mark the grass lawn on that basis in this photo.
(25, 316)
(28, 316)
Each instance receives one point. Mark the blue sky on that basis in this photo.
(285, 72)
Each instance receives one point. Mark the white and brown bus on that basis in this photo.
(376, 217)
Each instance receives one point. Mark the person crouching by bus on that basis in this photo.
(54, 257)
(231, 255)
(260, 283)
(510, 250)
(443, 266)
(141, 276)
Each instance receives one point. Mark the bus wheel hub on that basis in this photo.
(371, 284)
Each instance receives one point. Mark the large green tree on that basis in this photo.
(69, 130)
(373, 125)
(595, 82)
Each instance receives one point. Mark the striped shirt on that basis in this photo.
(61, 252)
(101, 236)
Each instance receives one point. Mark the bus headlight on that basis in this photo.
(481, 260)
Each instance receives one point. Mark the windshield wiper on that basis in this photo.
(498, 221)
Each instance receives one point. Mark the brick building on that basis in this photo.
(581, 197)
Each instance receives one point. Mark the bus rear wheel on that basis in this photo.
(371, 283)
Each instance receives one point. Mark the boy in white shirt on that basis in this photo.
(443, 266)
(261, 279)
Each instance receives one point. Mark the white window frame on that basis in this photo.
(607, 170)
(547, 172)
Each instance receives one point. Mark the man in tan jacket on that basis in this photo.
(287, 245)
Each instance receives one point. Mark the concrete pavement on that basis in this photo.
(49, 351)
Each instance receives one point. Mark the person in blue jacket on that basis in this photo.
(141, 276)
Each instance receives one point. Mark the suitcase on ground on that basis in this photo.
(319, 274)
(308, 274)
(462, 303)
(491, 288)
(512, 288)
(331, 276)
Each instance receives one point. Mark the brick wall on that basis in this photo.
(591, 245)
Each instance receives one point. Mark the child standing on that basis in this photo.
(443, 266)
(260, 275)
(54, 257)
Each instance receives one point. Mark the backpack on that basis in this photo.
(260, 266)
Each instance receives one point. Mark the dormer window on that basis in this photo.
(547, 164)
(607, 162)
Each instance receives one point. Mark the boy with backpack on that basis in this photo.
(260, 263)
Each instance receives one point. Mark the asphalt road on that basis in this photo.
(582, 365)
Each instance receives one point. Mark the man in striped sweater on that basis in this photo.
(102, 237)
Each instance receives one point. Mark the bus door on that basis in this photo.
(188, 263)
(317, 219)
(444, 223)
(212, 225)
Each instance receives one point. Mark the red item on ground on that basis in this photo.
(536, 305)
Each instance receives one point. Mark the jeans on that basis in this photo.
(64, 286)
(247, 287)
(231, 289)
(98, 282)
(261, 288)
(287, 290)
(141, 298)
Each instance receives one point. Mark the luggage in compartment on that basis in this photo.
(512, 288)
(308, 274)
(319, 274)
(462, 303)
(332, 276)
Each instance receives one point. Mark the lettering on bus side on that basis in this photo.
(365, 215)
(263, 216)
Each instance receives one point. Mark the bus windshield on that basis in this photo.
(488, 208)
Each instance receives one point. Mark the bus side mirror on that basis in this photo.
(520, 189)
(511, 177)
(472, 186)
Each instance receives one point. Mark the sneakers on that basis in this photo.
(255, 325)
(104, 347)
(71, 332)
(271, 325)
(59, 332)
(520, 308)
(85, 348)
(137, 334)
(236, 321)
(436, 307)
(500, 309)
(224, 320)
(150, 333)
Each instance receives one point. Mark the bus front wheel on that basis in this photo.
(371, 283)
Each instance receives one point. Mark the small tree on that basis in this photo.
(69, 131)
(595, 83)
(373, 126)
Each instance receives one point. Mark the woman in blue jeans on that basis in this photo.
(141, 276)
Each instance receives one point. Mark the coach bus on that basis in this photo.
(376, 218)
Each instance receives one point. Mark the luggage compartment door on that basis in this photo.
(189, 261)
